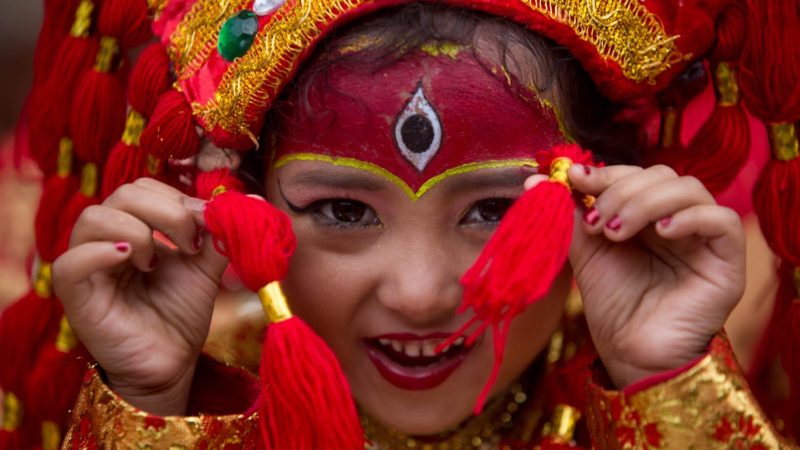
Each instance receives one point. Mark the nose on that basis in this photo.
(421, 282)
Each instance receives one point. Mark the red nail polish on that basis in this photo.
(153, 261)
(665, 221)
(587, 170)
(591, 216)
(122, 247)
(615, 223)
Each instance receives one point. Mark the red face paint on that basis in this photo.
(419, 119)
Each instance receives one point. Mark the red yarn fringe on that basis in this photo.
(149, 79)
(518, 265)
(98, 116)
(305, 402)
(125, 20)
(125, 164)
(170, 133)
(56, 193)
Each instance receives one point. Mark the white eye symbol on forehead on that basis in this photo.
(418, 131)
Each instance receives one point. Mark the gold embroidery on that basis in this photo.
(394, 179)
(708, 406)
(42, 285)
(134, 125)
(157, 7)
(116, 424)
(783, 140)
(66, 340)
(562, 427)
(448, 49)
(622, 31)
(196, 35)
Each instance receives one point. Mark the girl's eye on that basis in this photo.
(345, 213)
(487, 212)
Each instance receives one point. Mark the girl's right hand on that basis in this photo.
(142, 309)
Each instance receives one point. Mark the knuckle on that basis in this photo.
(693, 183)
(663, 170)
(124, 194)
(90, 215)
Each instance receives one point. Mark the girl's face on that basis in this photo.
(394, 180)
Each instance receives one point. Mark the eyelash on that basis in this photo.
(314, 210)
(503, 202)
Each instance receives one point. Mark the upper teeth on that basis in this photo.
(426, 347)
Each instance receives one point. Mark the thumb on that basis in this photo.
(209, 259)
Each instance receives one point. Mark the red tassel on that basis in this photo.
(523, 257)
(98, 116)
(58, 19)
(56, 192)
(50, 103)
(85, 197)
(721, 147)
(306, 402)
(149, 79)
(170, 133)
(56, 378)
(125, 20)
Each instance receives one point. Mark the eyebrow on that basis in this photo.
(500, 179)
(337, 180)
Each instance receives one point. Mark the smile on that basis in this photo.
(410, 362)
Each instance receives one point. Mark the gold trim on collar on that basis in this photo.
(622, 31)
(394, 179)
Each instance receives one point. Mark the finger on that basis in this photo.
(101, 223)
(604, 212)
(659, 200)
(595, 180)
(71, 271)
(194, 205)
(159, 212)
(533, 180)
(720, 226)
(209, 260)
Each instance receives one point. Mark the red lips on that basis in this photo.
(409, 362)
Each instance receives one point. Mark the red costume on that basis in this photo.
(219, 66)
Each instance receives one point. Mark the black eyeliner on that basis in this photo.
(292, 206)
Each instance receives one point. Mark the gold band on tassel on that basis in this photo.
(89, 180)
(276, 308)
(83, 19)
(153, 165)
(12, 411)
(558, 170)
(51, 435)
(668, 127)
(726, 85)
(66, 340)
(783, 141)
(134, 125)
(105, 56)
(796, 279)
(219, 190)
(562, 426)
(43, 283)
(64, 162)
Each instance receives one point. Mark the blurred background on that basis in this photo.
(19, 180)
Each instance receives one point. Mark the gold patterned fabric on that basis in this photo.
(102, 419)
(708, 406)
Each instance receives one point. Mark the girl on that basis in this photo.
(396, 150)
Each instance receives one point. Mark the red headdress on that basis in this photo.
(219, 67)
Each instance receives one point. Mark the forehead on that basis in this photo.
(417, 120)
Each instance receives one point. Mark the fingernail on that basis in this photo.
(665, 221)
(591, 216)
(197, 242)
(122, 247)
(615, 223)
(194, 204)
(153, 261)
(587, 170)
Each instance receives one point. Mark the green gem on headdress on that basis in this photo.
(237, 35)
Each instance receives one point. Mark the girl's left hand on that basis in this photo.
(659, 265)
